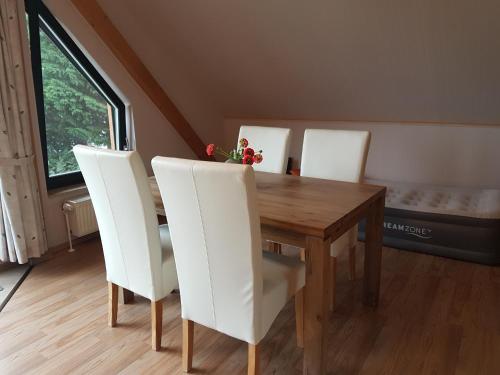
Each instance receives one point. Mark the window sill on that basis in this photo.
(69, 190)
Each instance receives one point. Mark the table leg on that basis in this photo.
(316, 305)
(373, 252)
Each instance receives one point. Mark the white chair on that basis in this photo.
(337, 155)
(275, 143)
(225, 281)
(137, 252)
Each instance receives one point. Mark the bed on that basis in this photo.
(460, 223)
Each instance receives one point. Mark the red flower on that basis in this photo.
(247, 159)
(210, 149)
(257, 158)
(248, 151)
(243, 142)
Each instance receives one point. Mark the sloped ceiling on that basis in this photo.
(389, 60)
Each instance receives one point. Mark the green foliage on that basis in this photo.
(75, 112)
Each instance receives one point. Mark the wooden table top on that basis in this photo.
(307, 206)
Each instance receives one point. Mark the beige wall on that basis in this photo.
(350, 59)
(153, 134)
(384, 60)
(455, 155)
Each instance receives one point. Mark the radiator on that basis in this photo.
(80, 217)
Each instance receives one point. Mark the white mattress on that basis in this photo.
(475, 203)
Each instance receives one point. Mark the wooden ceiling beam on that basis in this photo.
(110, 35)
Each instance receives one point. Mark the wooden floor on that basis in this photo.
(436, 316)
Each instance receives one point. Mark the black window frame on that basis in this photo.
(39, 17)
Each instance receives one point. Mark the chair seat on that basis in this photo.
(282, 277)
(166, 242)
(345, 241)
(170, 281)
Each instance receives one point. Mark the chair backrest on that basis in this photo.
(275, 143)
(335, 154)
(125, 211)
(215, 230)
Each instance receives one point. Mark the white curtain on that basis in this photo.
(21, 222)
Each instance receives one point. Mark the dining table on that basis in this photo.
(311, 213)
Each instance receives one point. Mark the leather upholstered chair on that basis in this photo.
(275, 143)
(337, 155)
(226, 281)
(137, 252)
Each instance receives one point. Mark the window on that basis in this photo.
(75, 105)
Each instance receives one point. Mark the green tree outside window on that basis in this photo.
(75, 111)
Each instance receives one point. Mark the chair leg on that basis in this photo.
(303, 255)
(253, 359)
(156, 324)
(299, 317)
(112, 304)
(274, 247)
(187, 344)
(333, 281)
(128, 296)
(352, 262)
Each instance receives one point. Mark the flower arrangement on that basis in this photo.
(241, 155)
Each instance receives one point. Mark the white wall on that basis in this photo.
(153, 134)
(442, 154)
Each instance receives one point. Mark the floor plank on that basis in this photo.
(436, 316)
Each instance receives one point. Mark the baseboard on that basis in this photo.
(54, 251)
